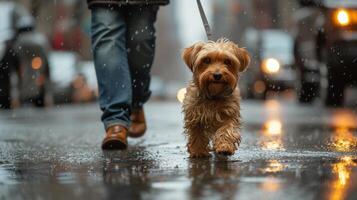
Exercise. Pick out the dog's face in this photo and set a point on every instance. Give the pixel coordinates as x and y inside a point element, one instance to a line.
<point>216,66</point>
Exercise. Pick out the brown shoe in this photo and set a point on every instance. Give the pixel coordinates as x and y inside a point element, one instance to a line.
<point>138,123</point>
<point>115,138</point>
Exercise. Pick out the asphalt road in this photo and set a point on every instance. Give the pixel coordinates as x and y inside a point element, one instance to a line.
<point>288,152</point>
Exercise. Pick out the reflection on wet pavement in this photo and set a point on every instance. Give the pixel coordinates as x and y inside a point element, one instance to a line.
<point>340,184</point>
<point>288,152</point>
<point>273,166</point>
<point>343,139</point>
<point>271,140</point>
<point>272,127</point>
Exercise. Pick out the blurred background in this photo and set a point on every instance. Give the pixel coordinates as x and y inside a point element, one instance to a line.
<point>304,61</point>
<point>46,56</point>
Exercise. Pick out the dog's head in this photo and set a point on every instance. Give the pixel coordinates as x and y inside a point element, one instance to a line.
<point>216,66</point>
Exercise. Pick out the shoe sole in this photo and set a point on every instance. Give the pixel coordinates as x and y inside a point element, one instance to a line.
<point>113,145</point>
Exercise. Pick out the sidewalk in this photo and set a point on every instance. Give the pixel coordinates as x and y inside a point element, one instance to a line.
<point>55,154</point>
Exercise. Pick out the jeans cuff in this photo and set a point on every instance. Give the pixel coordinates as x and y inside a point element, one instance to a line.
<point>116,122</point>
<point>139,102</point>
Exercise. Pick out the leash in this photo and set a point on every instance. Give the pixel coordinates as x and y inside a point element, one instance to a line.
<point>204,20</point>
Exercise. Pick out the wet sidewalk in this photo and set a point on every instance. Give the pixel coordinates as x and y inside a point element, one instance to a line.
<point>288,152</point>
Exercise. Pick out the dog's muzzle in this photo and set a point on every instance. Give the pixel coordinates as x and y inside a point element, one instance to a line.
<point>225,93</point>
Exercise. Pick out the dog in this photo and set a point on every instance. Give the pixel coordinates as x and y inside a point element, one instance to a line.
<point>212,101</point>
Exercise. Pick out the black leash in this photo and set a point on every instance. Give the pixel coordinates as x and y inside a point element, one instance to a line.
<point>204,20</point>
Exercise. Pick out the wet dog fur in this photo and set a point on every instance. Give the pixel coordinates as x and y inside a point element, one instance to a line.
<point>212,102</point>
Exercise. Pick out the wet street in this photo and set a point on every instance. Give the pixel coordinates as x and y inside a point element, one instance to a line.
<point>288,151</point>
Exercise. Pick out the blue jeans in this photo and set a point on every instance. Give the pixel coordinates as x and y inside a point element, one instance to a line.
<point>123,44</point>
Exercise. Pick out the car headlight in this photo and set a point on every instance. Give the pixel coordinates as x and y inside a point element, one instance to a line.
<point>270,66</point>
<point>36,63</point>
<point>342,17</point>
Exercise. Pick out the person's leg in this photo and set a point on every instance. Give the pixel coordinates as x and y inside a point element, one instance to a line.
<point>141,49</point>
<point>111,65</point>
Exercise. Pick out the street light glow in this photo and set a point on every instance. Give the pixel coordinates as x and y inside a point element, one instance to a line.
<point>342,17</point>
<point>271,66</point>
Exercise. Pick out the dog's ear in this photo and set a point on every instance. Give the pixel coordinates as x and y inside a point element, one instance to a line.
<point>242,55</point>
<point>244,59</point>
<point>189,54</point>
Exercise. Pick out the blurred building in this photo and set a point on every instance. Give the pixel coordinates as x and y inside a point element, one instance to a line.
<point>65,22</point>
<point>233,17</point>
<point>273,13</point>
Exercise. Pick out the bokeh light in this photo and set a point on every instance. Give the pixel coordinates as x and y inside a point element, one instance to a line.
<point>273,127</point>
<point>271,66</point>
<point>36,63</point>
<point>181,94</point>
<point>343,17</point>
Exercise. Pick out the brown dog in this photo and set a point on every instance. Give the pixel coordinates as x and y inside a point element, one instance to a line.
<point>211,105</point>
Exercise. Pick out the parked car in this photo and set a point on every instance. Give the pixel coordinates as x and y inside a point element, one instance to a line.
<point>31,48</point>
<point>325,49</point>
<point>271,66</point>
<point>23,54</point>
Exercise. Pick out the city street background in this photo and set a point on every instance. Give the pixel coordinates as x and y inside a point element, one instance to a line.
<point>291,148</point>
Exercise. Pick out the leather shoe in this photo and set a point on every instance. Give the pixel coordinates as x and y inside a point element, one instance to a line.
<point>115,138</point>
<point>138,123</point>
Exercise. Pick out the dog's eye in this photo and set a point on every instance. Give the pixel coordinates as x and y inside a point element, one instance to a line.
<point>227,62</point>
<point>206,60</point>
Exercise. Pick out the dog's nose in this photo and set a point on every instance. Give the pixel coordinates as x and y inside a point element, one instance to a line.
<point>217,76</point>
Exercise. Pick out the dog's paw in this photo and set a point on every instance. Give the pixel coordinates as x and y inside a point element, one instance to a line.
<point>225,149</point>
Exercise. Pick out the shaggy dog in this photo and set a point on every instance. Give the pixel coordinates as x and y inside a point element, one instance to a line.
<point>211,105</point>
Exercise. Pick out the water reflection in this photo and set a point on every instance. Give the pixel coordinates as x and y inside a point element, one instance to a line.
<point>126,174</point>
<point>272,127</point>
<point>273,166</point>
<point>272,145</point>
<point>213,177</point>
<point>342,171</point>
<point>271,184</point>
<point>272,135</point>
<point>343,138</point>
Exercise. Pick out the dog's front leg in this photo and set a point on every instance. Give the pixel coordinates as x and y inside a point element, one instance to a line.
<point>198,141</point>
<point>226,140</point>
